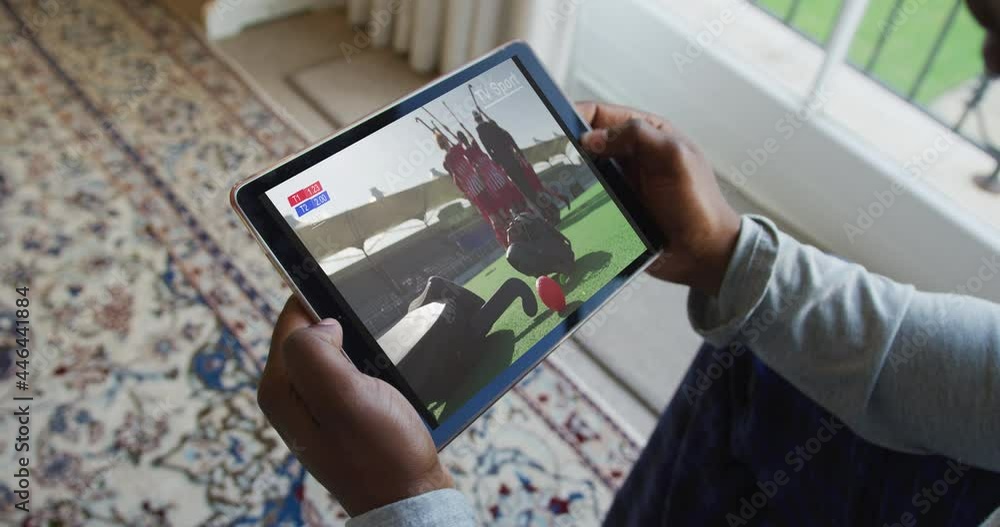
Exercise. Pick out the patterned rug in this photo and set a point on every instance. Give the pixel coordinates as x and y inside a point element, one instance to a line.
<point>151,308</point>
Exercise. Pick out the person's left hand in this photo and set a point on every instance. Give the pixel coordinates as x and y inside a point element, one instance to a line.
<point>356,434</point>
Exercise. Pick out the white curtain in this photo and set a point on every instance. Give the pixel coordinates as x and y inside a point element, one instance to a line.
<point>441,35</point>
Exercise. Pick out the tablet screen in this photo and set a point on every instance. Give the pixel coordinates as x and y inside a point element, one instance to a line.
<point>461,233</point>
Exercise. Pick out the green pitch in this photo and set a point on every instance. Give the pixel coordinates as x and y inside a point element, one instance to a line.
<point>603,242</point>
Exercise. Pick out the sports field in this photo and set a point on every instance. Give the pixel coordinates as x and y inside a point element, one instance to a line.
<point>603,242</point>
<point>911,38</point>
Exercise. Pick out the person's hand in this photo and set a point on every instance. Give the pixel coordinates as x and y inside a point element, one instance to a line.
<point>357,435</point>
<point>676,184</point>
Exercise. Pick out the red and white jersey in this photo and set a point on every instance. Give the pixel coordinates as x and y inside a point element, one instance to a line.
<point>493,175</point>
<point>462,170</point>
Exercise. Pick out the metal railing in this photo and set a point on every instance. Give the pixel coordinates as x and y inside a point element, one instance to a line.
<point>972,106</point>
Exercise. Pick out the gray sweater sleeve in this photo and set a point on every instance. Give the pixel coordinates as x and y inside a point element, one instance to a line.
<point>908,370</point>
<point>446,507</point>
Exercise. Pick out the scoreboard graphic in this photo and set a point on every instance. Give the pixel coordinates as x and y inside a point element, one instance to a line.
<point>308,199</point>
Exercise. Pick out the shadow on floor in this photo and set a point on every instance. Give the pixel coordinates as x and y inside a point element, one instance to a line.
<point>582,210</point>
<point>587,266</point>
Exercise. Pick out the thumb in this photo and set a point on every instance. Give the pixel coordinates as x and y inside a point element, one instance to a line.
<point>330,330</point>
<point>317,367</point>
<point>621,140</point>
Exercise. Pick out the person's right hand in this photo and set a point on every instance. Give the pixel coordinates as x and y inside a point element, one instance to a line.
<point>676,184</point>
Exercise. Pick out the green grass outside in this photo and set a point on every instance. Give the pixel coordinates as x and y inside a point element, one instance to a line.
<point>918,24</point>
<point>603,242</point>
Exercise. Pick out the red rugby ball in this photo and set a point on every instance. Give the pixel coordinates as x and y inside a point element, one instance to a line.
<point>551,294</point>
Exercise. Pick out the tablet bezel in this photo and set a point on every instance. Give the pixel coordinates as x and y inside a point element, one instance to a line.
<point>303,274</point>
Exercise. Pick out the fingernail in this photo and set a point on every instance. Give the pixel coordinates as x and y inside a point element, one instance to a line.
<point>595,140</point>
<point>328,322</point>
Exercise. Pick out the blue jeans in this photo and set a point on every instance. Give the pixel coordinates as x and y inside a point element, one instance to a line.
<point>738,445</point>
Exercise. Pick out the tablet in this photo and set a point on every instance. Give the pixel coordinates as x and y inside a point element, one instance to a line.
<point>458,234</point>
